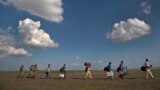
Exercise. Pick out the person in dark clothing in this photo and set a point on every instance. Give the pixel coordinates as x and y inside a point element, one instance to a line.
<point>63,72</point>
<point>121,70</point>
<point>48,70</point>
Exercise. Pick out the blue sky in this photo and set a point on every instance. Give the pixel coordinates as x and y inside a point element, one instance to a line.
<point>74,31</point>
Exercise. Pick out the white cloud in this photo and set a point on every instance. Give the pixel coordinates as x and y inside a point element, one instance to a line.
<point>33,35</point>
<point>10,50</point>
<point>48,9</point>
<point>146,8</point>
<point>7,42</point>
<point>7,39</point>
<point>128,30</point>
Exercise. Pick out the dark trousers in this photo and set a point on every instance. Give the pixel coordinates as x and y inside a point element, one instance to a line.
<point>47,75</point>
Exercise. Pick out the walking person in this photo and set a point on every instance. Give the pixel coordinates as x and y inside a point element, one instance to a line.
<point>88,70</point>
<point>109,71</point>
<point>31,69</point>
<point>148,69</point>
<point>21,72</point>
<point>63,72</point>
<point>48,70</point>
<point>121,70</point>
<point>35,70</point>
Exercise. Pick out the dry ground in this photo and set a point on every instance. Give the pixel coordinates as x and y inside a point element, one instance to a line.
<point>134,81</point>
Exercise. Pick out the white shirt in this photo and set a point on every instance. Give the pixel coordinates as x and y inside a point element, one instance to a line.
<point>147,64</point>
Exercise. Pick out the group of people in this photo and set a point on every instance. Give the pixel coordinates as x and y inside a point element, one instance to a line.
<point>62,72</point>
<point>122,71</point>
<point>33,69</point>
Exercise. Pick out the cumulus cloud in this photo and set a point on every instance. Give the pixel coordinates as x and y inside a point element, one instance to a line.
<point>33,35</point>
<point>10,50</point>
<point>6,45</point>
<point>128,30</point>
<point>146,8</point>
<point>48,9</point>
<point>7,38</point>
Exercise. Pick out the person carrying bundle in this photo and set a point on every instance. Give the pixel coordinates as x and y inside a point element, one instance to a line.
<point>31,69</point>
<point>48,70</point>
<point>88,70</point>
<point>109,71</point>
<point>121,70</point>
<point>148,68</point>
<point>35,70</point>
<point>63,72</point>
<point>21,72</point>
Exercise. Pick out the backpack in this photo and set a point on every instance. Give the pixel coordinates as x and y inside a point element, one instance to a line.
<point>86,69</point>
<point>143,68</point>
<point>61,70</point>
<point>118,69</point>
<point>106,69</point>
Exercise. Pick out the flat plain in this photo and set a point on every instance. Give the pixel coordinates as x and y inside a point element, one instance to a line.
<point>135,80</point>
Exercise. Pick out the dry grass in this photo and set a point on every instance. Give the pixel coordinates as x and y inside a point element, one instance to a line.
<point>134,81</point>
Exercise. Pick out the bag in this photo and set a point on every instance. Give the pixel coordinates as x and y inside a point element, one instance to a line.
<point>86,69</point>
<point>110,74</point>
<point>143,68</point>
<point>118,69</point>
<point>61,70</point>
<point>61,75</point>
<point>106,69</point>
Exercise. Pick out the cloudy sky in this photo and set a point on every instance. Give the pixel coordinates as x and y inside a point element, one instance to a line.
<point>74,31</point>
